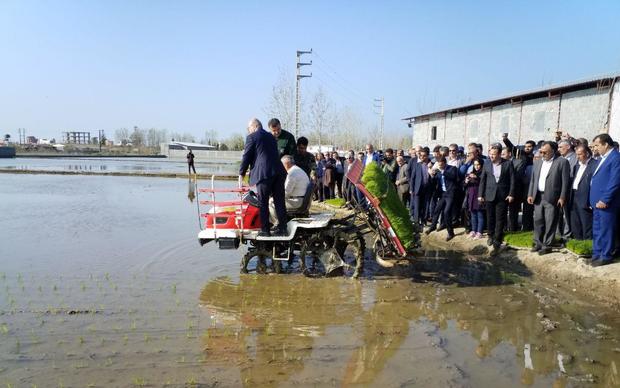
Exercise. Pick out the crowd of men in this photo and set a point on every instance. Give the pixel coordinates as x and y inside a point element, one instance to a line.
<point>563,189</point>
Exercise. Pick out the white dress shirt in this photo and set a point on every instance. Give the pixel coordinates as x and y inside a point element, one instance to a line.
<point>603,157</point>
<point>544,171</point>
<point>580,171</point>
<point>296,183</point>
<point>497,171</point>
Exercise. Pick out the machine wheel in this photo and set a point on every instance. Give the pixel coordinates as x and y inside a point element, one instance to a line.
<point>351,247</point>
<point>261,257</point>
<point>277,266</point>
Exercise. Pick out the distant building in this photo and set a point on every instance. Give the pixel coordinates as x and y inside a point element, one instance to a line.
<point>76,137</point>
<point>582,108</point>
<point>31,140</point>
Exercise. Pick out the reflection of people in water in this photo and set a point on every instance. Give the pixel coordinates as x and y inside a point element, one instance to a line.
<point>191,194</point>
<point>190,162</point>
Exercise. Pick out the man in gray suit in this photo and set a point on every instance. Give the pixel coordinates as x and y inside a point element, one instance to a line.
<point>548,192</point>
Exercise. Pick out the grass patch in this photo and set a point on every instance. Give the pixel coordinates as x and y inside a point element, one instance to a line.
<point>336,202</point>
<point>580,247</point>
<point>520,239</point>
<point>377,182</point>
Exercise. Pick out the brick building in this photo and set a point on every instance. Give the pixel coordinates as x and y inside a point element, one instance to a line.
<point>583,109</point>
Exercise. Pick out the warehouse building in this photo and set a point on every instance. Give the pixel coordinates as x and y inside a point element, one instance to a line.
<point>583,109</point>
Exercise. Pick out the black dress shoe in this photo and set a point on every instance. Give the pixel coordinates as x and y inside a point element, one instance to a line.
<point>450,237</point>
<point>535,249</point>
<point>490,241</point>
<point>429,230</point>
<point>262,233</point>
<point>544,251</point>
<point>598,263</point>
<point>281,233</point>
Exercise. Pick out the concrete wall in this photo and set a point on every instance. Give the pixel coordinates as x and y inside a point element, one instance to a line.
<point>582,114</point>
<point>614,119</point>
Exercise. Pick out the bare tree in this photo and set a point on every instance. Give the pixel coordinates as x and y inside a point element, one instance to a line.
<point>235,143</point>
<point>154,137</point>
<point>121,135</point>
<point>210,137</point>
<point>282,102</point>
<point>322,118</point>
<point>137,137</point>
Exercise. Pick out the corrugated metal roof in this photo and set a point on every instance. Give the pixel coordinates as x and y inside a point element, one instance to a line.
<point>507,98</point>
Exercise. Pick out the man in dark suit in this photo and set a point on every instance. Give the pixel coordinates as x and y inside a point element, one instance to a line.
<point>581,214</point>
<point>604,200</point>
<point>415,185</point>
<point>267,173</point>
<point>548,192</point>
<point>496,191</point>
<point>445,180</point>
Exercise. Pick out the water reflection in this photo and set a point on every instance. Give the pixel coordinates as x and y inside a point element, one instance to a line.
<point>191,189</point>
<point>272,326</point>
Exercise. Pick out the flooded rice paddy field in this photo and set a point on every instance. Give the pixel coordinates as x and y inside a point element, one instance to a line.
<point>102,283</point>
<point>112,165</point>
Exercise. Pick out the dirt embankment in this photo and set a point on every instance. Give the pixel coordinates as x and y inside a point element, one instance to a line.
<point>560,267</point>
<point>116,173</point>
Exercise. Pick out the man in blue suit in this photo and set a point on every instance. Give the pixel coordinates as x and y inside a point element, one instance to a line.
<point>604,200</point>
<point>267,173</point>
<point>370,155</point>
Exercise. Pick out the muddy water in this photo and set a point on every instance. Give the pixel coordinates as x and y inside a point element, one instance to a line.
<point>107,165</point>
<point>102,283</point>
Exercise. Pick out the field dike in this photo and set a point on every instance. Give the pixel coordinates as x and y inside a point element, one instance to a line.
<point>562,268</point>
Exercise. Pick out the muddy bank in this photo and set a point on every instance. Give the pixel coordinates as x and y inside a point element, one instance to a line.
<point>116,173</point>
<point>560,267</point>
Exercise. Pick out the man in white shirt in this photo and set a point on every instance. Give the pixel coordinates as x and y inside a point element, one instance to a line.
<point>548,192</point>
<point>580,212</point>
<point>295,187</point>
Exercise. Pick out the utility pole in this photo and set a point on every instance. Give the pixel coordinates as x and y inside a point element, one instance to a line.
<point>381,106</point>
<point>298,78</point>
<point>22,135</point>
<point>101,134</point>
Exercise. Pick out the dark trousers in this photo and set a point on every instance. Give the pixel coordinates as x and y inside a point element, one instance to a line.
<point>319,191</point>
<point>513,214</point>
<point>604,229</point>
<point>564,223</point>
<point>527,218</point>
<point>414,208</point>
<point>546,217</point>
<point>330,190</point>
<point>190,167</point>
<point>581,222</point>
<point>496,220</point>
<point>339,184</point>
<point>443,208</point>
<point>273,186</point>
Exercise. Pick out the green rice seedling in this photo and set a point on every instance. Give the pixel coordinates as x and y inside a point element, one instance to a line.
<point>55,288</point>
<point>335,202</point>
<point>18,346</point>
<point>4,329</point>
<point>83,286</point>
<point>81,340</point>
<point>191,382</point>
<point>147,338</point>
<point>378,184</point>
<point>40,289</point>
<point>107,276</point>
<point>519,239</point>
<point>2,276</point>
<point>108,361</point>
<point>174,288</point>
<point>580,247</point>
<point>139,381</point>
<point>133,325</point>
<point>125,339</point>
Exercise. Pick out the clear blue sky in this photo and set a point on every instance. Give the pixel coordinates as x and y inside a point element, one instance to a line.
<point>190,66</point>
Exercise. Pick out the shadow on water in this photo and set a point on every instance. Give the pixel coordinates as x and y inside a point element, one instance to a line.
<point>191,190</point>
<point>279,328</point>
